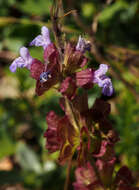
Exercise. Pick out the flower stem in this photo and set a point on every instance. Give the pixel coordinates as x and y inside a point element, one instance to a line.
<point>57,28</point>
<point>72,115</point>
<point>68,174</point>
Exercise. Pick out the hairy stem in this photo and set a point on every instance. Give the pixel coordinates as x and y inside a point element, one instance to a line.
<point>57,28</point>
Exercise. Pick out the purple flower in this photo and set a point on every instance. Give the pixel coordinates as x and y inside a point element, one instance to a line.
<point>25,60</point>
<point>43,39</point>
<point>102,80</point>
<point>83,45</point>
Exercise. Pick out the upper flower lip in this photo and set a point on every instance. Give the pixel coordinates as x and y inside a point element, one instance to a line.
<point>43,39</point>
<point>83,45</point>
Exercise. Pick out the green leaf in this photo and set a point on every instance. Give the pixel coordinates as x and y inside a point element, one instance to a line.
<point>28,158</point>
<point>6,144</point>
<point>39,7</point>
<point>110,11</point>
<point>130,12</point>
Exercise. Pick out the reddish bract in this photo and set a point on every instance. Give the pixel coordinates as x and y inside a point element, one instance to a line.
<point>51,66</point>
<point>68,88</point>
<point>84,77</point>
<point>86,178</point>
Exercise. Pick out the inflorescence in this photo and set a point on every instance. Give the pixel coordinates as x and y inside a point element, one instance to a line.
<point>83,134</point>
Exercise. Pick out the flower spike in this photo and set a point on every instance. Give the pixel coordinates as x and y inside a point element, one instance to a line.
<point>25,60</point>
<point>43,39</point>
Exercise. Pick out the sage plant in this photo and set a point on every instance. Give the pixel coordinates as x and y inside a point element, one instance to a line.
<point>83,134</point>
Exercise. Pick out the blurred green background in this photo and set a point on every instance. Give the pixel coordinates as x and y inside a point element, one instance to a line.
<point>24,162</point>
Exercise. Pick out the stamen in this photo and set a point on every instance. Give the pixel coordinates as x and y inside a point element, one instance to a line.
<point>44,76</point>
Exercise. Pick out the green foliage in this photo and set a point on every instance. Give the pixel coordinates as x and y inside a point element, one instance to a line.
<point>128,129</point>
<point>28,158</point>
<point>88,9</point>
<point>39,7</point>
<point>110,11</point>
<point>7,145</point>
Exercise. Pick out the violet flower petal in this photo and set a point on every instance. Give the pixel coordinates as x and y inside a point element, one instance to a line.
<point>103,68</point>
<point>83,45</point>
<point>38,41</point>
<point>43,39</point>
<point>102,80</point>
<point>80,45</point>
<point>107,87</point>
<point>25,60</point>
